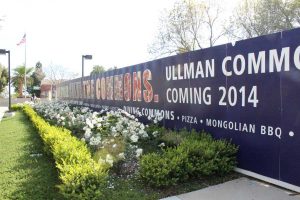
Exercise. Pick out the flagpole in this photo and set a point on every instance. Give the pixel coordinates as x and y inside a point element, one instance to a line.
<point>25,68</point>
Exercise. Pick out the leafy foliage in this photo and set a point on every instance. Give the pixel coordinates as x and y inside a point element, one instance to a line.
<point>197,155</point>
<point>189,25</point>
<point>26,172</point>
<point>18,78</point>
<point>108,133</point>
<point>37,76</point>
<point>196,24</point>
<point>3,78</point>
<point>166,169</point>
<point>166,158</point>
<point>260,17</point>
<point>81,177</point>
<point>97,69</point>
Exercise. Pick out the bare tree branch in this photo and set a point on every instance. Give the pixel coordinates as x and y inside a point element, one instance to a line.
<point>260,17</point>
<point>188,26</point>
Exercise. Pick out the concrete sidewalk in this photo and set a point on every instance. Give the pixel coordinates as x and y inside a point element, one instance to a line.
<point>2,111</point>
<point>239,189</point>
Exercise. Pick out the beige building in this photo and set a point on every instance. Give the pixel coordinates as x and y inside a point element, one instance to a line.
<point>48,88</point>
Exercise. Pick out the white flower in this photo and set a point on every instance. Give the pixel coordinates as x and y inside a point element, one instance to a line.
<point>101,161</point>
<point>114,146</point>
<point>125,132</point>
<point>155,133</point>
<point>95,114</point>
<point>139,152</point>
<point>143,133</point>
<point>113,130</point>
<point>109,159</point>
<point>119,127</point>
<point>142,126</point>
<point>121,155</point>
<point>87,133</point>
<point>89,123</point>
<point>162,144</point>
<point>94,141</point>
<point>134,138</point>
<point>84,109</point>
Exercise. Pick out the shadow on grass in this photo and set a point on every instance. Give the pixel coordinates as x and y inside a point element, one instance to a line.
<point>38,175</point>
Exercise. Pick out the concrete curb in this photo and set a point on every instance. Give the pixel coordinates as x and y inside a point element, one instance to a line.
<point>2,111</point>
<point>171,198</point>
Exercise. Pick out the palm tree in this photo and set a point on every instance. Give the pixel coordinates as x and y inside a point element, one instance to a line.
<point>19,77</point>
<point>97,69</point>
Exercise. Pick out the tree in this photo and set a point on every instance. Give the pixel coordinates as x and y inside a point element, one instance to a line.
<point>295,6</point>
<point>56,74</point>
<point>38,65</point>
<point>19,77</point>
<point>259,17</point>
<point>3,78</point>
<point>112,68</point>
<point>37,76</point>
<point>97,69</point>
<point>188,26</point>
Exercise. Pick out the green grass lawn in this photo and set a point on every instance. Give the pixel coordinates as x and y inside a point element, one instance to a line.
<point>134,189</point>
<point>22,175</point>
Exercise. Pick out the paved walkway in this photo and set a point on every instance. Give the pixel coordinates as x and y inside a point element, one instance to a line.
<point>4,102</point>
<point>2,111</point>
<point>239,189</point>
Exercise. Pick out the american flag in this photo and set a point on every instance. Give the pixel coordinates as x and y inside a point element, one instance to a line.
<point>23,40</point>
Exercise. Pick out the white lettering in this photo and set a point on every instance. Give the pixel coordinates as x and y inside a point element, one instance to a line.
<point>224,70</point>
<point>276,62</point>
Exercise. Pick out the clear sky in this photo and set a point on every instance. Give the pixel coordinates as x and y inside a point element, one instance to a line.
<point>115,32</point>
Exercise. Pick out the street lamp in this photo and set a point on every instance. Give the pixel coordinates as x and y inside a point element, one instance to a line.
<point>87,57</point>
<point>4,52</point>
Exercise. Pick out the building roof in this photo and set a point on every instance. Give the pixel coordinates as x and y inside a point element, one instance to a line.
<point>49,82</point>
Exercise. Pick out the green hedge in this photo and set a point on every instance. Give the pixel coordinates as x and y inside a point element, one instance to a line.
<point>197,155</point>
<point>16,107</point>
<point>81,176</point>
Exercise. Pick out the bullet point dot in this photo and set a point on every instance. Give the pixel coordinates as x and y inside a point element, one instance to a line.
<point>178,117</point>
<point>201,121</point>
<point>291,133</point>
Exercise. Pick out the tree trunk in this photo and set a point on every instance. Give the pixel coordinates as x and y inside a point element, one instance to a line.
<point>20,89</point>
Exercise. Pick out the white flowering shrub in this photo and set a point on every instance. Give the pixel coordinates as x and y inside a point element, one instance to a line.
<point>119,141</point>
<point>109,133</point>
